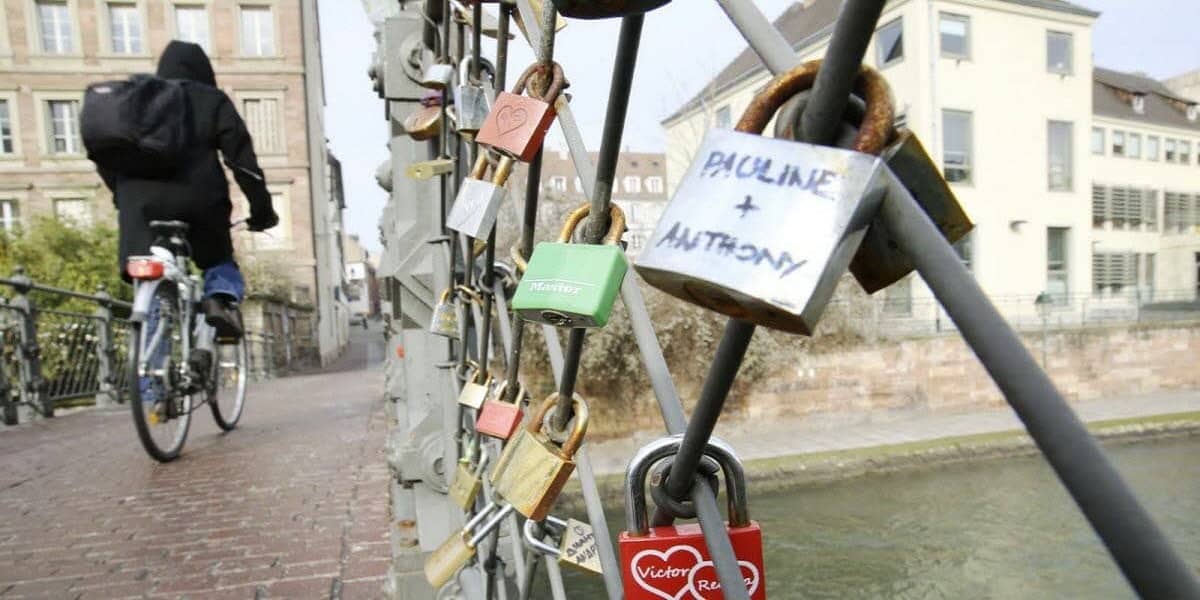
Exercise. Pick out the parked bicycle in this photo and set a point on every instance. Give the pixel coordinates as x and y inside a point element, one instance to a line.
<point>175,357</point>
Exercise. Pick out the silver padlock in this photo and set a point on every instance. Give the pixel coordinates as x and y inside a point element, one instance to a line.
<point>437,76</point>
<point>444,318</point>
<point>576,543</point>
<point>762,229</point>
<point>478,201</point>
<point>472,102</point>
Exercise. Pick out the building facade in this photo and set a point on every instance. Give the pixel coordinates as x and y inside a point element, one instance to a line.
<point>1004,96</point>
<point>362,287</point>
<point>266,56</point>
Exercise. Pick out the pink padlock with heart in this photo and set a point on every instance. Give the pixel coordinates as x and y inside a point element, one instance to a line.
<point>672,562</point>
<point>517,124</point>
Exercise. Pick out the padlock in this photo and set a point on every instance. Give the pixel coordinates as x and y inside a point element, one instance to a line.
<point>444,562</point>
<point>604,9</point>
<point>576,545</point>
<point>444,319</point>
<point>517,124</point>
<point>533,469</point>
<point>467,481</point>
<point>429,169</point>
<point>478,201</point>
<point>762,229</point>
<point>879,261</point>
<point>424,123</point>
<point>573,285</point>
<point>471,100</point>
<point>673,561</point>
<point>474,391</point>
<point>437,76</point>
<point>500,419</point>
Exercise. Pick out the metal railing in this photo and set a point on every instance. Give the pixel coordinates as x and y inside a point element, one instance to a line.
<point>63,348</point>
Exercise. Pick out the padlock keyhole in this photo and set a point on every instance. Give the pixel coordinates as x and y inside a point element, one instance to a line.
<point>556,318</point>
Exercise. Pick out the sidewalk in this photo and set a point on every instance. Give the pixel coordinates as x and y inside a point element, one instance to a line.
<point>783,437</point>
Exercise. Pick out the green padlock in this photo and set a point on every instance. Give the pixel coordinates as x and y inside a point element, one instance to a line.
<point>573,285</point>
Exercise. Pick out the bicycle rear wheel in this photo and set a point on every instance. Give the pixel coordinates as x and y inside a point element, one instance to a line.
<point>162,411</point>
<point>227,392</point>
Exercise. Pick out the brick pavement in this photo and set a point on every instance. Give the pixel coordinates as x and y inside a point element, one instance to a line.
<point>291,504</point>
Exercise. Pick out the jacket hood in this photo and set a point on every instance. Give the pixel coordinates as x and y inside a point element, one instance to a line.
<point>184,60</point>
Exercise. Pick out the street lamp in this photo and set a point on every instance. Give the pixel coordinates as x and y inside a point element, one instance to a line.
<point>1043,302</point>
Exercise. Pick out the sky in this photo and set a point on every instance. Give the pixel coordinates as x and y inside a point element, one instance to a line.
<point>684,45</point>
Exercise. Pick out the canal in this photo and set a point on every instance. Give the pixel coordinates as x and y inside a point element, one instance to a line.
<point>991,529</point>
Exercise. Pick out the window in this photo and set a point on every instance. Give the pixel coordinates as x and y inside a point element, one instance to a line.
<point>1059,53</point>
<point>1112,271</point>
<point>724,118</point>
<point>1152,147</point>
<point>1118,143</point>
<point>9,216</point>
<point>1139,104</point>
<point>558,183</point>
<point>191,25</point>
<point>1056,264</point>
<point>1134,149</point>
<point>955,33</point>
<point>965,250</point>
<point>1185,152</point>
<point>280,236</point>
<point>73,211</point>
<point>1098,141</point>
<point>1177,212</point>
<point>62,127</point>
<point>258,31</point>
<point>654,185</point>
<point>54,27</point>
<point>889,43</point>
<point>125,28</point>
<point>897,298</point>
<point>262,120</point>
<point>1099,205</point>
<point>632,184</point>
<point>1059,165</point>
<point>956,146</point>
<point>6,132</point>
<point>1170,147</point>
<point>578,184</point>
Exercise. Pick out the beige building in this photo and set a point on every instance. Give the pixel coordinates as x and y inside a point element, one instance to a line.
<point>1004,96</point>
<point>266,56</point>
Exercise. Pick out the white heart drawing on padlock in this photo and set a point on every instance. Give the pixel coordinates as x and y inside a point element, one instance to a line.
<point>665,557</point>
<point>754,581</point>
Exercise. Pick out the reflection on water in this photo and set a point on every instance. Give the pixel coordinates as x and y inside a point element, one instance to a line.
<point>995,529</point>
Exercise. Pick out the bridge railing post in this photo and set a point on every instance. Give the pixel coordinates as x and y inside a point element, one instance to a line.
<point>33,385</point>
<point>106,351</point>
<point>8,406</point>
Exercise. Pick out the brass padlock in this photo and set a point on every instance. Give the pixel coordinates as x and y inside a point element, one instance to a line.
<point>429,169</point>
<point>425,123</point>
<point>444,320</point>
<point>467,481</point>
<point>576,543</point>
<point>474,391</point>
<point>532,470</point>
<point>454,553</point>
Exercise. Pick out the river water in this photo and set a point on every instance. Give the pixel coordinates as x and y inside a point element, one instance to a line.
<point>991,529</point>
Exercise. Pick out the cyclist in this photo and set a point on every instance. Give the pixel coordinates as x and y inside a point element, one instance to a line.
<point>198,193</point>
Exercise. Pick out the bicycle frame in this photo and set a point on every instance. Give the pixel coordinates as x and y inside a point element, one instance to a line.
<point>175,272</point>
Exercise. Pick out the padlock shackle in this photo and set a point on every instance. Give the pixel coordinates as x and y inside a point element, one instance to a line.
<point>636,519</point>
<point>488,526</point>
<point>503,170</point>
<point>616,224</point>
<point>573,442</point>
<point>444,296</point>
<point>531,538</point>
<point>557,81</point>
<point>479,169</point>
<point>503,387</point>
<point>471,294</point>
<point>520,263</point>
<point>876,128</point>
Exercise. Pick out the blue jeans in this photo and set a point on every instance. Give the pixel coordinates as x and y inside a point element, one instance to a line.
<point>224,279</point>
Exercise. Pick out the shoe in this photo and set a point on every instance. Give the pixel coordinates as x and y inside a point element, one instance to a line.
<point>223,316</point>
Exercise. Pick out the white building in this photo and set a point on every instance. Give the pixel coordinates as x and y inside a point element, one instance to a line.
<point>1004,95</point>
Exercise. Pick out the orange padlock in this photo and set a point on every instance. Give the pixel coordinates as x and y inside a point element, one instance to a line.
<point>518,124</point>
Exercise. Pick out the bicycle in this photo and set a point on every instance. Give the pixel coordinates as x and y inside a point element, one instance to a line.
<point>168,366</point>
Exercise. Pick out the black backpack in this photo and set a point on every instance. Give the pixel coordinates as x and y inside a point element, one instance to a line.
<point>141,127</point>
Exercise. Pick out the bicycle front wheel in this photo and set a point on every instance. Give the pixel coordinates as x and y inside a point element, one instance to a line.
<point>162,410</point>
<point>227,393</point>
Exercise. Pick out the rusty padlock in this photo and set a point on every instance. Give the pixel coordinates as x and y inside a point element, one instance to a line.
<point>762,229</point>
<point>533,469</point>
<point>518,124</point>
<point>604,9</point>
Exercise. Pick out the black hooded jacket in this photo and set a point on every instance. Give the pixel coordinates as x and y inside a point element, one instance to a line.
<point>198,193</point>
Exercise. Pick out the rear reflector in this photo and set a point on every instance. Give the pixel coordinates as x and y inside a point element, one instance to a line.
<point>144,268</point>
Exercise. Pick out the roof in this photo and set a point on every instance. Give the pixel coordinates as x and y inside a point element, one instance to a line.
<point>1110,91</point>
<point>802,25</point>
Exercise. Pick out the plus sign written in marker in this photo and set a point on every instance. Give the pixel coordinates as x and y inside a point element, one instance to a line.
<point>746,206</point>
